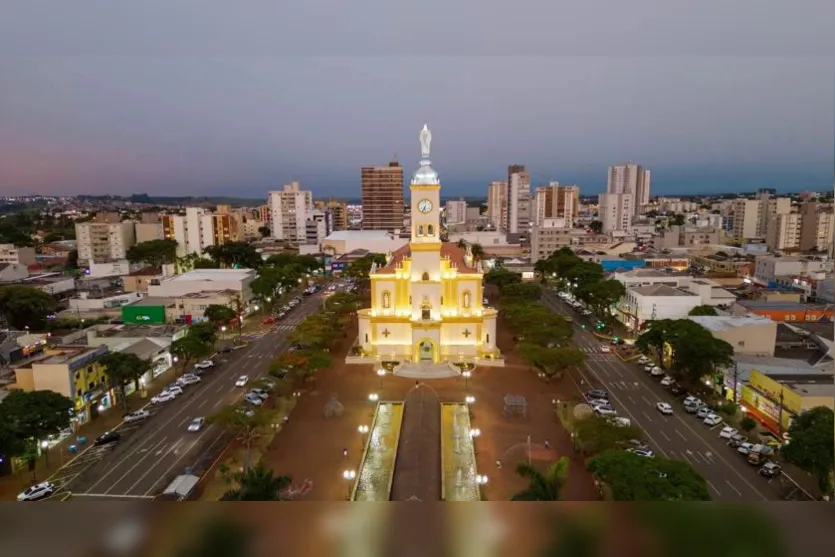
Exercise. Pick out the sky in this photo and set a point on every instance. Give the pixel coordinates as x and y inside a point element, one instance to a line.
<point>207,98</point>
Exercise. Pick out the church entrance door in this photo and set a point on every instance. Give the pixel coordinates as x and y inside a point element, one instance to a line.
<point>425,351</point>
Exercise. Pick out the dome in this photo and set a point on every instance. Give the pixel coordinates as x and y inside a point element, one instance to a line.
<point>425,176</point>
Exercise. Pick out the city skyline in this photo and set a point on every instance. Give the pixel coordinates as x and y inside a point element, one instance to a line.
<point>96,126</point>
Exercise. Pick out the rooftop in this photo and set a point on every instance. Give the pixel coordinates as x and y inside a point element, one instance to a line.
<point>111,331</point>
<point>726,323</point>
<point>359,235</point>
<point>212,274</point>
<point>146,272</point>
<point>763,304</point>
<point>659,290</point>
<point>153,301</point>
<point>455,255</point>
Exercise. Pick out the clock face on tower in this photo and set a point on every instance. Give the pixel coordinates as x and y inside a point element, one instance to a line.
<point>424,206</point>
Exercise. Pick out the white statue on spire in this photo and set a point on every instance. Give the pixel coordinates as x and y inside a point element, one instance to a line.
<point>425,141</point>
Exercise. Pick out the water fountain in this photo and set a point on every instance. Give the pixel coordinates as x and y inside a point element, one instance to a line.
<point>377,466</point>
<point>458,455</point>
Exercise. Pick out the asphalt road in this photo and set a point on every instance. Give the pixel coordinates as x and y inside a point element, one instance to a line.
<point>682,436</point>
<point>151,453</point>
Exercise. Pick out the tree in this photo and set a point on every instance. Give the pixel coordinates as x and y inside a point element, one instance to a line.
<point>502,277</point>
<point>304,364</point>
<point>206,331</point>
<point>810,447</point>
<point>748,424</point>
<point>600,296</point>
<point>247,427</point>
<point>154,253</point>
<point>258,484</point>
<point>462,244</point>
<point>235,255</point>
<point>596,226</point>
<point>478,252</point>
<point>219,315</point>
<point>631,477</point>
<point>31,416</point>
<point>553,362</point>
<point>264,231</point>
<point>26,306</point>
<point>694,351</point>
<point>542,486</point>
<point>521,291</point>
<point>597,434</point>
<point>189,348</point>
<point>703,310</point>
<point>360,269</point>
<point>678,220</point>
<point>123,369</point>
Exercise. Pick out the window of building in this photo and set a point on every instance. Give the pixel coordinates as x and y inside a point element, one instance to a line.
<point>366,337</point>
<point>78,392</point>
<point>386,300</point>
<point>425,313</point>
<point>488,338</point>
<point>420,230</point>
<point>430,230</point>
<point>425,276</point>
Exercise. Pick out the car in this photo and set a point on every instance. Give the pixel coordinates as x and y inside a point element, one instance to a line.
<point>225,349</point>
<point>595,402</point>
<point>196,424</point>
<point>107,438</point>
<point>736,440</point>
<point>664,408</point>
<point>666,381</point>
<point>263,393</point>
<point>597,393</point>
<point>137,416</point>
<point>657,372</point>
<point>174,389</point>
<point>242,381</point>
<point>637,444</point>
<point>188,379</point>
<point>712,420</point>
<point>770,470</point>
<point>605,411</point>
<point>268,321</point>
<point>278,373</point>
<point>649,367</point>
<point>605,348</point>
<point>703,412</point>
<point>253,399</point>
<point>676,389</point>
<point>744,448</point>
<point>205,364</point>
<point>164,396</point>
<point>643,360</point>
<point>620,422</point>
<point>37,492</point>
<point>644,452</point>
<point>727,432</point>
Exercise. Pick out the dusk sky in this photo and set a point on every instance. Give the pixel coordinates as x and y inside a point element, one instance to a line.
<point>221,98</point>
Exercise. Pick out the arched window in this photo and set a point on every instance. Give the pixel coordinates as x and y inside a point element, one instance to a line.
<point>430,230</point>
<point>420,230</point>
<point>425,311</point>
<point>466,299</point>
<point>425,276</point>
<point>488,338</point>
<point>386,299</point>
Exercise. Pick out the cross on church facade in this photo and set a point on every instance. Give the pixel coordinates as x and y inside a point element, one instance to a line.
<point>386,333</point>
<point>467,333</point>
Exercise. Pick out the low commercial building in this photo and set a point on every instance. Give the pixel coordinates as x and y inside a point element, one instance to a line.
<point>51,283</point>
<point>88,302</point>
<point>10,253</point>
<point>13,272</point>
<point>784,311</point>
<point>375,241</point>
<point>753,335</point>
<point>777,400</point>
<point>205,280</point>
<point>188,309</point>
<point>139,281</point>
<point>658,301</point>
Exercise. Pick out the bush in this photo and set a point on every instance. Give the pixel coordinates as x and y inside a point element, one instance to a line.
<point>748,424</point>
<point>727,408</point>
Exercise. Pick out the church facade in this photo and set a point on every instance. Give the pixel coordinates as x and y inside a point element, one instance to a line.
<point>426,301</point>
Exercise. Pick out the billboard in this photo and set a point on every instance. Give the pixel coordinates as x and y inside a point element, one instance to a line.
<point>143,315</point>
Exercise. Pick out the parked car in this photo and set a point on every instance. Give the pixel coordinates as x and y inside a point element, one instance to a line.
<point>107,438</point>
<point>205,364</point>
<point>703,412</point>
<point>242,381</point>
<point>666,381</point>
<point>253,399</point>
<point>727,432</point>
<point>268,321</point>
<point>712,420</point>
<point>770,470</point>
<point>37,492</point>
<point>188,379</point>
<point>597,393</point>
<point>260,393</point>
<point>643,360</point>
<point>604,348</point>
<point>676,389</point>
<point>248,412</point>
<point>174,389</point>
<point>647,453</point>
<point>605,411</point>
<point>657,372</point>
<point>196,424</point>
<point>164,396</point>
<point>664,408</point>
<point>137,416</point>
<point>744,448</point>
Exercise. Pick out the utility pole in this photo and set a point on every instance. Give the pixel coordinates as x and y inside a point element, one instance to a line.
<point>780,414</point>
<point>736,382</point>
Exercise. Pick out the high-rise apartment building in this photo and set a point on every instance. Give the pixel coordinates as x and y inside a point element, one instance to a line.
<point>338,210</point>
<point>518,216</point>
<point>104,242</point>
<point>319,225</point>
<point>746,217</point>
<point>289,210</point>
<point>818,227</point>
<point>615,211</point>
<point>497,204</point>
<point>382,197</point>
<point>630,178</point>
<point>783,231</point>
<point>556,202</point>
<point>768,208</point>
<point>456,211</point>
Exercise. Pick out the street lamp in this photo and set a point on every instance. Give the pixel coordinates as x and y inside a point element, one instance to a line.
<point>363,429</point>
<point>257,307</point>
<point>481,479</point>
<point>373,397</point>
<point>381,373</point>
<point>467,374</point>
<point>469,400</point>
<point>349,476</point>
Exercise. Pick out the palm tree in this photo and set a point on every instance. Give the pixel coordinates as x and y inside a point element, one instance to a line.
<point>462,243</point>
<point>258,484</point>
<point>542,487</point>
<point>477,251</point>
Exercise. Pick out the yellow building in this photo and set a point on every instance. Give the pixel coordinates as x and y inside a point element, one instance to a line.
<point>74,372</point>
<point>772,400</point>
<point>426,301</point>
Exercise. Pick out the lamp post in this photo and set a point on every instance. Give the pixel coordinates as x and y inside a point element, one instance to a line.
<point>466,373</point>
<point>474,433</point>
<point>481,481</point>
<point>349,476</point>
<point>373,398</point>
<point>363,429</point>
<point>381,373</point>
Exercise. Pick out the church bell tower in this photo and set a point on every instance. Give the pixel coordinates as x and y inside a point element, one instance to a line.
<point>426,198</point>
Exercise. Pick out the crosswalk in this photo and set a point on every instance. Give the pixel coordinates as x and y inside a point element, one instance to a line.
<point>283,326</point>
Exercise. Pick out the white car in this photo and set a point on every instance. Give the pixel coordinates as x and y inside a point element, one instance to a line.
<point>205,364</point>
<point>174,389</point>
<point>196,424</point>
<point>649,366</point>
<point>745,448</point>
<point>188,379</point>
<point>664,408</point>
<point>605,348</point>
<point>605,411</point>
<point>37,492</point>
<point>666,381</point>
<point>253,399</point>
<point>656,372</point>
<point>643,360</point>
<point>242,381</point>
<point>728,432</point>
<point>712,420</point>
<point>642,452</point>
<point>621,422</point>
<point>137,416</point>
<point>164,396</point>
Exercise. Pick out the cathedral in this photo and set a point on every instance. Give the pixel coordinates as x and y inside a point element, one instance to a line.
<point>426,301</point>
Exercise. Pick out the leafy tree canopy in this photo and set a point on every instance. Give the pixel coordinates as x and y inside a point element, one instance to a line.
<point>360,269</point>
<point>122,369</point>
<point>258,484</point>
<point>26,306</point>
<point>696,353</point>
<point>636,478</point>
<point>810,447</point>
<point>545,486</point>
<point>35,415</point>
<point>501,277</point>
<point>219,315</point>
<point>234,255</point>
<point>703,310</point>
<point>521,291</point>
<point>597,434</point>
<point>154,253</point>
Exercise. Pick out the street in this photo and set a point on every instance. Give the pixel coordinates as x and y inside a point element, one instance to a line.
<point>151,453</point>
<point>680,436</point>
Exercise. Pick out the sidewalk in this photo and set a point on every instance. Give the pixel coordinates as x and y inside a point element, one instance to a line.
<point>59,455</point>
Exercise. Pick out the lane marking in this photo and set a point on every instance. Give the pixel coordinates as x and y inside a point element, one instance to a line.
<point>632,399</point>
<point>202,404</point>
<point>714,488</point>
<point>665,435</point>
<point>184,421</point>
<point>646,400</point>
<point>680,434</point>
<point>218,403</point>
<point>115,467</point>
<point>151,468</point>
<point>111,496</point>
<point>649,419</point>
<point>165,474</point>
